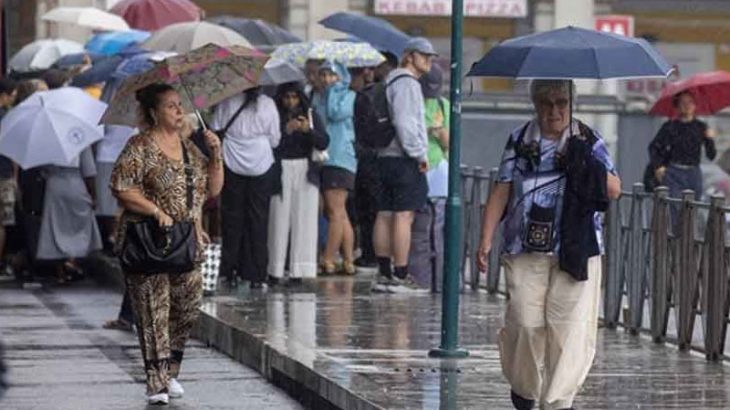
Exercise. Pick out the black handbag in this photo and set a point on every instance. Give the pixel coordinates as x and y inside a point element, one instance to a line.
<point>152,249</point>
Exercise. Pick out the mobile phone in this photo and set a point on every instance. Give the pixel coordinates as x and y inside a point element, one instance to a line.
<point>309,117</point>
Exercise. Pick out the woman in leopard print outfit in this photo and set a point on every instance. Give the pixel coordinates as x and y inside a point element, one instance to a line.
<point>149,180</point>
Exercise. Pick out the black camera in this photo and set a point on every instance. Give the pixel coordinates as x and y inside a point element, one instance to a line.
<point>540,229</point>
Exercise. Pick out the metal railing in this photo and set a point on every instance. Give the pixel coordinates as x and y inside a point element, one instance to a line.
<point>663,255</point>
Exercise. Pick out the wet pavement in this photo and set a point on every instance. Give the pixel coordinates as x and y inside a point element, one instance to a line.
<point>60,358</point>
<point>363,351</point>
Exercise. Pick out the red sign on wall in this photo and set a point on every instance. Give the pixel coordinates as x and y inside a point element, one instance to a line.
<point>617,24</point>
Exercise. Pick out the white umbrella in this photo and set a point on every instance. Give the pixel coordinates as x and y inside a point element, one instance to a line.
<point>87,17</point>
<point>51,128</point>
<point>183,37</point>
<point>41,54</point>
<point>279,72</point>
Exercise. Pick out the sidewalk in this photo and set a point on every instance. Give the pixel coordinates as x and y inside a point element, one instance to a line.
<point>359,350</point>
<point>60,358</point>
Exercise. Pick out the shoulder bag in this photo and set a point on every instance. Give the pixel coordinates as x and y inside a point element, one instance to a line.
<point>151,249</point>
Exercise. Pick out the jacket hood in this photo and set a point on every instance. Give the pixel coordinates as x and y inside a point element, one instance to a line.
<point>339,69</point>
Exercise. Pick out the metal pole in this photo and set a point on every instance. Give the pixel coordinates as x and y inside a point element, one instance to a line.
<point>450,293</point>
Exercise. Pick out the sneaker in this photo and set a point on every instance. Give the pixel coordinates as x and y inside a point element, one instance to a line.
<point>405,285</point>
<point>175,389</point>
<point>159,399</point>
<point>382,285</point>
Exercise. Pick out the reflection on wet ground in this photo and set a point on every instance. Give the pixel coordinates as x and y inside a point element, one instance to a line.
<point>376,347</point>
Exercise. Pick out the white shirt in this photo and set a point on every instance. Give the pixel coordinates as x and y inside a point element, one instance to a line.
<point>249,142</point>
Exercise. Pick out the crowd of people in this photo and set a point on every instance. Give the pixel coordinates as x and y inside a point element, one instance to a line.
<point>297,180</point>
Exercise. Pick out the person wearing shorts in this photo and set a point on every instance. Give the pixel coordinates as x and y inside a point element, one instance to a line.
<point>402,166</point>
<point>337,109</point>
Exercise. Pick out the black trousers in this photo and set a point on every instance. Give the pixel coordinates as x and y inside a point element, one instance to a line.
<point>367,190</point>
<point>245,222</point>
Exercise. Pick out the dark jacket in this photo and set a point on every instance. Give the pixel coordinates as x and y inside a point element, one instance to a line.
<point>298,144</point>
<point>586,193</point>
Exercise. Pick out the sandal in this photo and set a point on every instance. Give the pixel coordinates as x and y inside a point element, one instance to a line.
<point>118,324</point>
<point>348,268</point>
<point>327,268</point>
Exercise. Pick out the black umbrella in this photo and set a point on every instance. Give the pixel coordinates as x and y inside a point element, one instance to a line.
<point>259,33</point>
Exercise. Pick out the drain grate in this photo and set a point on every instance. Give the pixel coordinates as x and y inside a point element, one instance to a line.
<point>427,370</point>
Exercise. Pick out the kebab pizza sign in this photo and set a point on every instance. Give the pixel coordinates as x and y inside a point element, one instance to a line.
<point>472,8</point>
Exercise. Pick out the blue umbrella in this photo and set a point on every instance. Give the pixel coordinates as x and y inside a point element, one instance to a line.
<point>572,52</point>
<point>76,59</point>
<point>378,32</point>
<point>136,64</point>
<point>100,72</point>
<point>113,42</point>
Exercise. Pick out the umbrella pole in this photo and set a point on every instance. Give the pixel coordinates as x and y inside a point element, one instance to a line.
<point>190,98</point>
<point>452,244</point>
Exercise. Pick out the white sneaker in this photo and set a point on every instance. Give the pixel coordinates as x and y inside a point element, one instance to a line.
<point>175,389</point>
<point>381,285</point>
<point>158,399</point>
<point>406,285</point>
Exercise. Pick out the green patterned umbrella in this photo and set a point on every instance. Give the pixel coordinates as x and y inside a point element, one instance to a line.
<point>348,53</point>
<point>204,77</point>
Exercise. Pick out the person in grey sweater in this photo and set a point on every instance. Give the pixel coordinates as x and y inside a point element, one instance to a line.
<point>402,166</point>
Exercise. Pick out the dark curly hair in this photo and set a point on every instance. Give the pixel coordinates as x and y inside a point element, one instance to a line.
<point>148,99</point>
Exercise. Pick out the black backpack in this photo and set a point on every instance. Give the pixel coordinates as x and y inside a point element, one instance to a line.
<point>373,126</point>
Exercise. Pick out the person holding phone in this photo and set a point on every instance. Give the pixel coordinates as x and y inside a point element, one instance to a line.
<point>295,200</point>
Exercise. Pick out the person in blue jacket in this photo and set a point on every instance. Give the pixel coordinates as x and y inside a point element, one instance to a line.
<point>336,107</point>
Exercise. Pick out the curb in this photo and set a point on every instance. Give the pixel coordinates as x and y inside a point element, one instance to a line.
<point>312,389</point>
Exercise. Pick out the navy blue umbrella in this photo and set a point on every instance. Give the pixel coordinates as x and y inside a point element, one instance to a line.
<point>100,72</point>
<point>572,52</point>
<point>376,31</point>
<point>259,33</point>
<point>76,59</point>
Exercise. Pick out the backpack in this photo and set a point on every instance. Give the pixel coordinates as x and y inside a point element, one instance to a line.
<point>373,125</point>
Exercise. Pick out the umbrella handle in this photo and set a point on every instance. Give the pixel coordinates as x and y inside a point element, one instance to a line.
<point>200,120</point>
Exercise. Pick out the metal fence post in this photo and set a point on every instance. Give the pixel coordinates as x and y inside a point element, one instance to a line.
<point>465,181</point>
<point>660,274</point>
<point>686,277</point>
<point>494,268</point>
<point>475,224</point>
<point>636,259</point>
<point>614,281</point>
<point>714,283</point>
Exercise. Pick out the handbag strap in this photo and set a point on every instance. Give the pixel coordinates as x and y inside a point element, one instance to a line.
<point>188,176</point>
<point>235,115</point>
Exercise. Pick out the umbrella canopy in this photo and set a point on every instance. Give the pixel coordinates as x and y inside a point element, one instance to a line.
<point>41,54</point>
<point>572,52</point>
<point>183,37</point>
<point>51,127</point>
<point>259,33</point>
<point>86,17</point>
<point>132,65</point>
<point>279,72</point>
<point>76,59</point>
<point>711,92</point>
<point>349,54</point>
<point>376,31</point>
<point>151,15</point>
<point>100,72</point>
<point>113,42</point>
<point>204,77</point>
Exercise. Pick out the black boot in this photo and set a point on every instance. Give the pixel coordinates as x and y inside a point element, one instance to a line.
<point>520,402</point>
